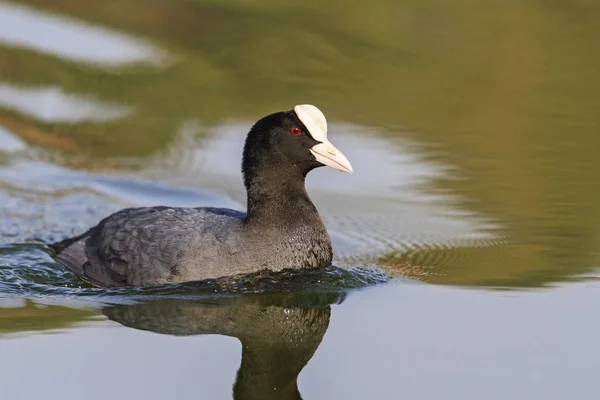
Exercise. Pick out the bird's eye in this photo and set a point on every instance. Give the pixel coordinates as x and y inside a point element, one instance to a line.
<point>296,131</point>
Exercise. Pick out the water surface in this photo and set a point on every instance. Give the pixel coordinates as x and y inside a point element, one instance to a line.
<point>467,241</point>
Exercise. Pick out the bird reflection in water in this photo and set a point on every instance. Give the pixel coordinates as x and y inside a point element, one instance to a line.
<point>279,332</point>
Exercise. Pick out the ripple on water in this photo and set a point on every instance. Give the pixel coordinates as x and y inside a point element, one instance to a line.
<point>27,270</point>
<point>72,39</point>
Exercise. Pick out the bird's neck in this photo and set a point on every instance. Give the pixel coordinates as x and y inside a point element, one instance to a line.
<point>281,217</point>
<point>279,196</point>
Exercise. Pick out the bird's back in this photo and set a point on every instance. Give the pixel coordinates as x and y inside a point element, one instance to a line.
<point>153,245</point>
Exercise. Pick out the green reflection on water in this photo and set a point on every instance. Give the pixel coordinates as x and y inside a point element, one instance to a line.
<point>506,91</point>
<point>33,317</point>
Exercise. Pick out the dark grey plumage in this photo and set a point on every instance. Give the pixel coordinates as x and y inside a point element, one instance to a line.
<point>160,245</point>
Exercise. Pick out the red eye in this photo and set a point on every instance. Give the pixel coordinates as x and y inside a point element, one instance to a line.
<point>296,131</point>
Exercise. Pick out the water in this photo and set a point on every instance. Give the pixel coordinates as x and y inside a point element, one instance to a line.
<point>467,242</point>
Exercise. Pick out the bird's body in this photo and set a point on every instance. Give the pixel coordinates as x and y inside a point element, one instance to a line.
<point>158,245</point>
<point>189,244</point>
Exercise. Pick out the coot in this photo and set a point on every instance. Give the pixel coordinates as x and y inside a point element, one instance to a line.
<point>280,230</point>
